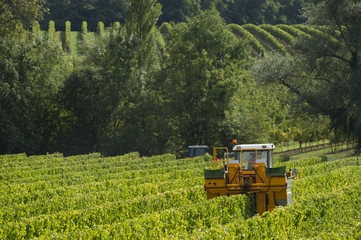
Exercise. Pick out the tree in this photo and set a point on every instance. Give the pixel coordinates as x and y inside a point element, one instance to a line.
<point>88,100</point>
<point>325,71</point>
<point>179,10</point>
<point>92,11</point>
<point>257,12</point>
<point>120,114</point>
<point>18,15</point>
<point>31,75</point>
<point>201,73</point>
<point>248,120</point>
<point>32,69</point>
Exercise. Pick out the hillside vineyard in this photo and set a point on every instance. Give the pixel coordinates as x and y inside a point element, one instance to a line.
<point>262,39</point>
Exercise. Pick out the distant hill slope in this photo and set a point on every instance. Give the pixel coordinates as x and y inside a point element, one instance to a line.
<point>262,38</point>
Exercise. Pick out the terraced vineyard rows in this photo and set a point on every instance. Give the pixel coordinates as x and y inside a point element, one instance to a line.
<point>128,197</point>
<point>262,39</point>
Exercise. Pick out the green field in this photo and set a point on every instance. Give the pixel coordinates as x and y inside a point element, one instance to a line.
<point>129,197</point>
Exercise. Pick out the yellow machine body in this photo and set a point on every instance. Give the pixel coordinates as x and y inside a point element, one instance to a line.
<point>250,171</point>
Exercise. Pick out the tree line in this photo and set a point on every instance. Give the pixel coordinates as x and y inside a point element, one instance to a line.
<point>132,90</point>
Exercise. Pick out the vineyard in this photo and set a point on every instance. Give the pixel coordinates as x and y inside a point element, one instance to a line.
<point>262,39</point>
<point>132,197</point>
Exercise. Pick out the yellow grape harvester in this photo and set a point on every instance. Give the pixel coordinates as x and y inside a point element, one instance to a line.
<point>250,170</point>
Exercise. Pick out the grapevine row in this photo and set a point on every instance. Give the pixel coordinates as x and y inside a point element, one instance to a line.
<point>278,33</point>
<point>94,174</point>
<point>170,222</point>
<point>243,33</point>
<point>108,166</point>
<point>120,208</point>
<point>293,31</point>
<point>267,37</point>
<point>23,195</point>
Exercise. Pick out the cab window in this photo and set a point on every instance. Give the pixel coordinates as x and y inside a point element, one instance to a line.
<point>248,159</point>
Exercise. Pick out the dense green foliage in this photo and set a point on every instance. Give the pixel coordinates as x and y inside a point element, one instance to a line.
<point>16,15</point>
<point>278,33</point>
<point>31,74</point>
<point>324,71</point>
<point>240,32</point>
<point>235,11</point>
<point>262,34</point>
<point>134,87</point>
<point>90,196</point>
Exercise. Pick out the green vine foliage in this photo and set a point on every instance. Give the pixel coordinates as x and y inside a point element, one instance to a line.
<point>292,30</point>
<point>84,30</point>
<point>262,38</point>
<point>243,33</point>
<point>35,30</point>
<point>116,25</point>
<point>131,197</point>
<point>68,36</point>
<point>278,33</point>
<point>266,37</point>
<point>315,33</point>
<point>100,29</point>
<point>51,30</point>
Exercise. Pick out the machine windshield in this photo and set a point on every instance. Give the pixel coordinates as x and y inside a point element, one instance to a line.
<point>248,158</point>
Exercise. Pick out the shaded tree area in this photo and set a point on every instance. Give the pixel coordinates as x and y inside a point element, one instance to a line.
<point>325,70</point>
<point>31,75</point>
<point>135,89</point>
<point>92,11</point>
<point>232,11</point>
<point>257,12</point>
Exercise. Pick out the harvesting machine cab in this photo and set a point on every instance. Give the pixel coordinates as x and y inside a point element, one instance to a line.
<point>250,170</point>
<point>197,150</point>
